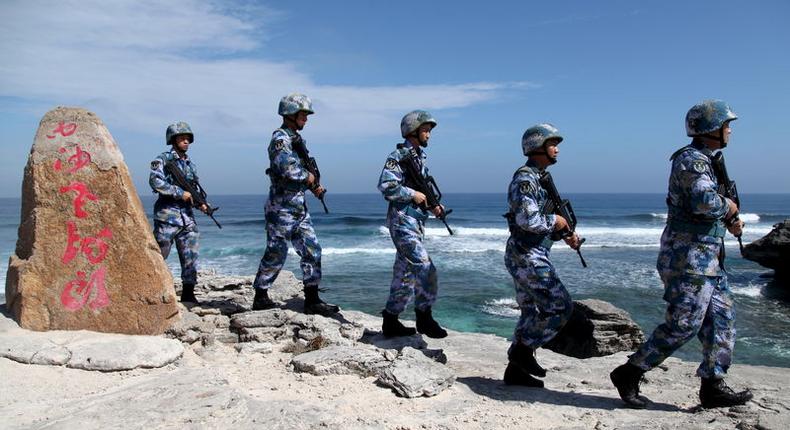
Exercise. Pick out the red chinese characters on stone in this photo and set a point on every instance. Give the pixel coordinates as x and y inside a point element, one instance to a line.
<point>77,161</point>
<point>63,129</point>
<point>82,194</point>
<point>80,291</point>
<point>94,248</point>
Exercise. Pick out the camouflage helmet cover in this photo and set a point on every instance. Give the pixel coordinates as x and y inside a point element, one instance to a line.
<point>177,128</point>
<point>293,103</point>
<point>413,120</point>
<point>537,135</point>
<point>708,116</point>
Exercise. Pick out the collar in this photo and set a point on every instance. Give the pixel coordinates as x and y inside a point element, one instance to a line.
<point>178,157</point>
<point>289,131</point>
<point>534,164</point>
<point>701,147</point>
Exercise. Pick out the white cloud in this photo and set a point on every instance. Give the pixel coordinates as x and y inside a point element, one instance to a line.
<point>145,63</point>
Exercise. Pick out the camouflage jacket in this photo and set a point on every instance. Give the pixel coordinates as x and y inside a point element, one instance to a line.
<point>169,207</point>
<point>692,241</point>
<point>392,182</point>
<point>526,199</point>
<point>286,169</point>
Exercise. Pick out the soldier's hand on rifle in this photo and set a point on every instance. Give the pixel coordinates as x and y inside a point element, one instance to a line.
<point>318,191</point>
<point>560,223</point>
<point>438,211</point>
<point>419,198</point>
<point>736,228</point>
<point>203,208</point>
<point>187,197</point>
<point>573,241</point>
<point>310,180</point>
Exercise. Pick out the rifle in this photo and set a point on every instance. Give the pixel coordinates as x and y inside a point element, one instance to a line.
<point>556,205</point>
<point>427,185</point>
<point>193,187</point>
<point>310,164</point>
<point>727,188</point>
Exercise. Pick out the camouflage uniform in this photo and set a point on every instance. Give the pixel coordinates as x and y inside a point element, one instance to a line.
<point>413,272</point>
<point>174,219</point>
<point>690,264</point>
<point>287,218</point>
<point>545,303</point>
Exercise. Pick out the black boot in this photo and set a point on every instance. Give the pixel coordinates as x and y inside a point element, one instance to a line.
<point>392,327</point>
<point>714,393</point>
<point>427,325</point>
<point>524,357</point>
<point>626,379</point>
<point>314,305</point>
<point>262,301</point>
<point>514,375</point>
<point>188,293</point>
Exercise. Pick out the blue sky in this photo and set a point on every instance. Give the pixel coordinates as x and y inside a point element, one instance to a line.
<point>615,77</point>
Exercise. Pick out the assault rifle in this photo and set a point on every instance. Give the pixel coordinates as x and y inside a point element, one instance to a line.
<point>309,163</point>
<point>414,179</point>
<point>556,205</point>
<point>727,188</point>
<point>193,187</point>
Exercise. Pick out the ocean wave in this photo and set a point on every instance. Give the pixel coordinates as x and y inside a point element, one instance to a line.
<point>506,307</point>
<point>745,217</point>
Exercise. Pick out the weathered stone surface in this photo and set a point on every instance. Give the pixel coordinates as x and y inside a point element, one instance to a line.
<point>597,328</point>
<point>254,348</point>
<point>413,374</point>
<point>772,250</point>
<point>123,352</point>
<point>341,360</point>
<point>85,256</point>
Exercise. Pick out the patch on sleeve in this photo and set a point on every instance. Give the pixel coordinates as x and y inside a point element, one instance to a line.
<point>279,145</point>
<point>391,164</point>
<point>699,166</point>
<point>155,164</point>
<point>526,187</point>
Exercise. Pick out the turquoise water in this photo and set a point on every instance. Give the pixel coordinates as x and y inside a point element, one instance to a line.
<point>476,292</point>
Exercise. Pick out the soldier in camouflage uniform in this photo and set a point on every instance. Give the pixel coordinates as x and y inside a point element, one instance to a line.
<point>691,266</point>
<point>173,216</point>
<point>413,273</point>
<point>287,217</point>
<point>544,302</point>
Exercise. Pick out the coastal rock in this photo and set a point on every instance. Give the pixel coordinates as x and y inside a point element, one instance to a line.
<point>597,328</point>
<point>413,374</point>
<point>85,257</point>
<point>772,250</point>
<point>342,360</point>
<point>88,350</point>
<point>123,353</point>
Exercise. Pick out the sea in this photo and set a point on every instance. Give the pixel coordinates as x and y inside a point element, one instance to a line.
<point>476,293</point>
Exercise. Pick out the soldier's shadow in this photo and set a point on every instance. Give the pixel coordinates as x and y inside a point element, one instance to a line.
<point>496,389</point>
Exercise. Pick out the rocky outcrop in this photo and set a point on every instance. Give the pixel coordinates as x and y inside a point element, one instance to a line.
<point>85,256</point>
<point>597,328</point>
<point>772,250</point>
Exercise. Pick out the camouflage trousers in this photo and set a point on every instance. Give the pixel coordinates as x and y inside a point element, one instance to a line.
<point>413,274</point>
<point>283,227</point>
<point>186,239</point>
<point>700,305</point>
<point>544,302</point>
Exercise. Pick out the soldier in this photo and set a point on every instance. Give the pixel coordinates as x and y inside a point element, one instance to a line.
<point>544,302</point>
<point>173,216</point>
<point>413,273</point>
<point>691,266</point>
<point>287,217</point>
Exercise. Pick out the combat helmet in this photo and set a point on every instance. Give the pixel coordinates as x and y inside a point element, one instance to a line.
<point>707,117</point>
<point>177,128</point>
<point>537,135</point>
<point>413,120</point>
<point>293,103</point>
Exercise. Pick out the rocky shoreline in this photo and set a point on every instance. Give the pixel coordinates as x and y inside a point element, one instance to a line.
<point>222,366</point>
